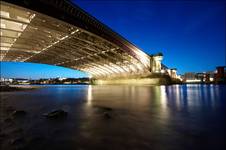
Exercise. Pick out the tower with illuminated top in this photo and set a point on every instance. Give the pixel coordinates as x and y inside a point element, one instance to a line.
<point>156,61</point>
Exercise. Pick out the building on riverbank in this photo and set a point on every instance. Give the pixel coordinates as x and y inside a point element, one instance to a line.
<point>220,75</point>
<point>217,76</point>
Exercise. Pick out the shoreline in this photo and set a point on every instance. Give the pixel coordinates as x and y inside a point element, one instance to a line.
<point>25,87</point>
<point>12,88</point>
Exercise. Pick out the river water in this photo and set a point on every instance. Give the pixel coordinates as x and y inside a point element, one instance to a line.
<point>117,117</point>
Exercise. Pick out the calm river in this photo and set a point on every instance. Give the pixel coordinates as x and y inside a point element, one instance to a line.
<point>177,117</point>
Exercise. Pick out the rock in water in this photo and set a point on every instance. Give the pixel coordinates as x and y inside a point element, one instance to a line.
<point>8,120</point>
<point>17,141</point>
<point>56,114</point>
<point>105,108</point>
<point>107,115</point>
<point>106,112</point>
<point>10,109</point>
<point>19,113</point>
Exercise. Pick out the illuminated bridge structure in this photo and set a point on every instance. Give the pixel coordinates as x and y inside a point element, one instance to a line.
<point>57,32</point>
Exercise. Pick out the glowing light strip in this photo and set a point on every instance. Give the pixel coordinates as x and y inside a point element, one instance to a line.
<point>93,71</point>
<point>143,57</point>
<point>195,80</point>
<point>54,43</point>
<point>23,27</point>
<point>116,67</point>
<point>28,51</point>
<point>102,68</point>
<point>100,71</point>
<point>89,71</point>
<point>112,68</point>
<point>90,55</point>
<point>132,68</point>
<point>106,68</point>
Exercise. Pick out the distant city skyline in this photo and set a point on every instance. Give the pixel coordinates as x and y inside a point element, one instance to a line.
<point>190,34</point>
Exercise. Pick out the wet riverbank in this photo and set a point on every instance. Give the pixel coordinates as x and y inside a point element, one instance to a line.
<point>115,117</point>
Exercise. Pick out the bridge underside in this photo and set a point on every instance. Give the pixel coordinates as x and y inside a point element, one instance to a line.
<point>29,36</point>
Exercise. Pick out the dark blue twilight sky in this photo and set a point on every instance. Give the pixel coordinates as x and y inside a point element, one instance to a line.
<point>191,33</point>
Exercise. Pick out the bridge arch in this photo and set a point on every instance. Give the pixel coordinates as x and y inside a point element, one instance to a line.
<point>56,32</point>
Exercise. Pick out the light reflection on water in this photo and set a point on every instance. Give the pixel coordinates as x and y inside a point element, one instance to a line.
<point>142,117</point>
<point>179,96</point>
<point>178,111</point>
<point>89,95</point>
<point>192,95</point>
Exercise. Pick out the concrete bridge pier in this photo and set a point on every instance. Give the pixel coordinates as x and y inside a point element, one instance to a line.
<point>156,63</point>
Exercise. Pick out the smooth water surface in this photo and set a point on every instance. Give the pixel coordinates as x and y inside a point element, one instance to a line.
<point>173,117</point>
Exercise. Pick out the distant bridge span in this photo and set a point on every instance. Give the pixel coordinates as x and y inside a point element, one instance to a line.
<point>57,32</point>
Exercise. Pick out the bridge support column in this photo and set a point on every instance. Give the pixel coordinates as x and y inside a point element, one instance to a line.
<point>156,63</point>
